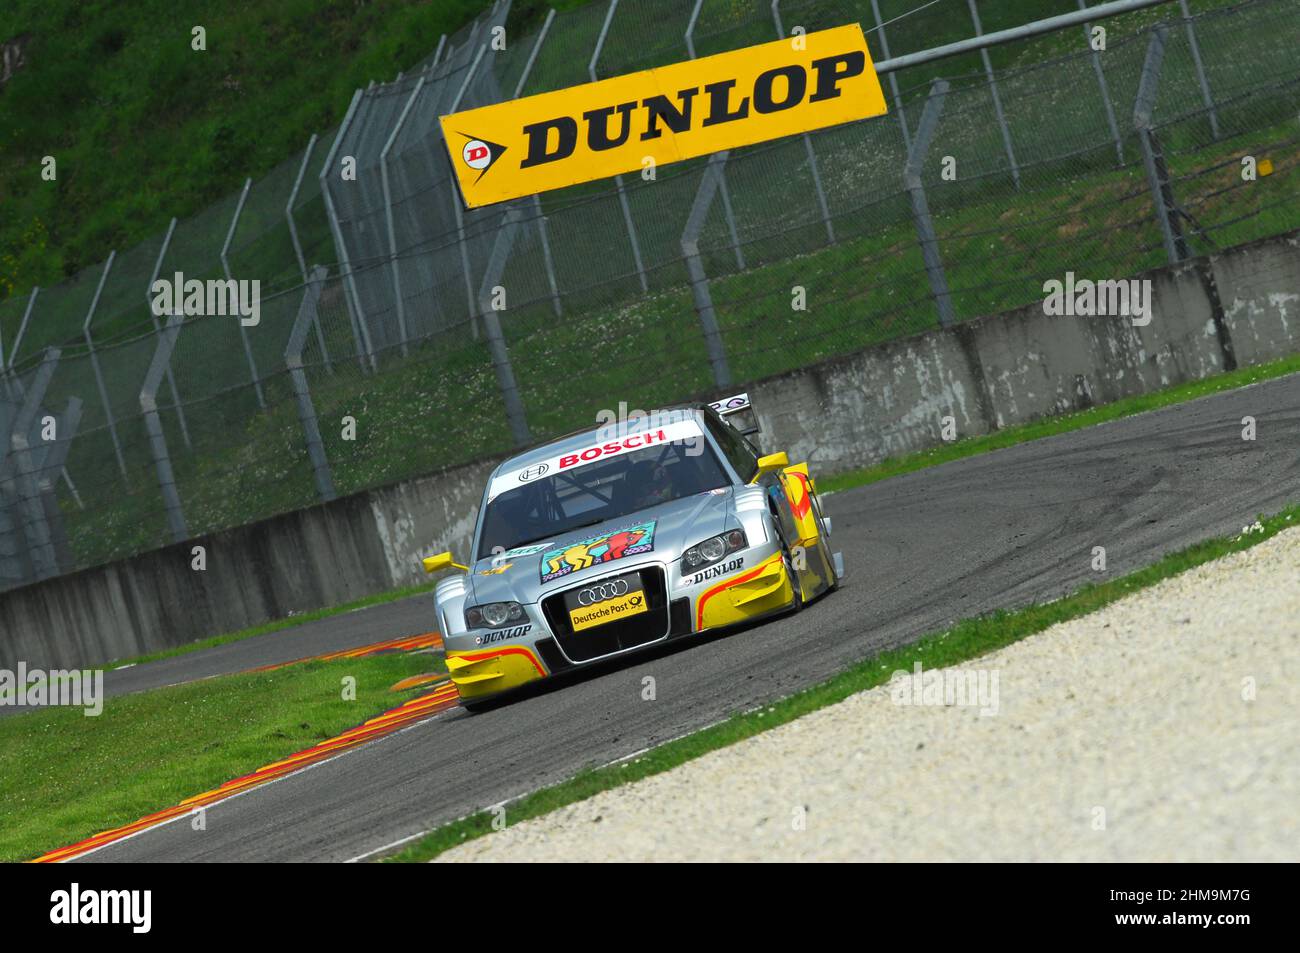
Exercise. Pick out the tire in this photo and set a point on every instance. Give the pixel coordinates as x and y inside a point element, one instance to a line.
<point>830,562</point>
<point>824,543</point>
<point>797,603</point>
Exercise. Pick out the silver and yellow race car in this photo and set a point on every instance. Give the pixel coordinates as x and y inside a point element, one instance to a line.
<point>625,536</point>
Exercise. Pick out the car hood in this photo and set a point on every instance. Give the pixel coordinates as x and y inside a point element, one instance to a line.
<point>677,526</point>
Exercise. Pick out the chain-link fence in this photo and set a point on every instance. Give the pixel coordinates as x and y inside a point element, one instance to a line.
<point>399,334</point>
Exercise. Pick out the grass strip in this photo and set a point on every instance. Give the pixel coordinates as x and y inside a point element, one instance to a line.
<point>966,640</point>
<point>65,776</point>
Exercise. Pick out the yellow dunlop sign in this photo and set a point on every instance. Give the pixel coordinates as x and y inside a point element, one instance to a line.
<point>663,115</point>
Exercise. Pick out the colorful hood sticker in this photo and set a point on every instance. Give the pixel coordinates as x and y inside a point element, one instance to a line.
<point>605,548</point>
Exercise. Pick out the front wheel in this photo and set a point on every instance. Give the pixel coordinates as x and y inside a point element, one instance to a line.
<point>830,565</point>
<point>796,602</point>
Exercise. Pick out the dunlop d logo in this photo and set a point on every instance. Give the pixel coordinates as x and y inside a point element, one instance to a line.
<point>690,109</point>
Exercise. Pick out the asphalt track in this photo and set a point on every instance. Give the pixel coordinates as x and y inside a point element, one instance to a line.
<point>351,630</point>
<point>413,616</point>
<point>925,549</point>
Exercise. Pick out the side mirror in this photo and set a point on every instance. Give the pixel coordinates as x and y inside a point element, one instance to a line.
<point>440,562</point>
<point>771,463</point>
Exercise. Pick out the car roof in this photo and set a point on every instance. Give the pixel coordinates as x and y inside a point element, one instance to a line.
<point>578,439</point>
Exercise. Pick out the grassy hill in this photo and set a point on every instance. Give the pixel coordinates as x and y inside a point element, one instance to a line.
<point>1077,210</point>
<point>143,127</point>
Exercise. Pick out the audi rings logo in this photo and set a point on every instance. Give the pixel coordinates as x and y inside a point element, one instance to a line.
<point>602,591</point>
<point>532,473</point>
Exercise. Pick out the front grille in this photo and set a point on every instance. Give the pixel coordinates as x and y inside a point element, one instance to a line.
<point>680,611</point>
<point>554,659</point>
<point>592,643</point>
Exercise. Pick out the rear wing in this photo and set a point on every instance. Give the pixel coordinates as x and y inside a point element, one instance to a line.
<point>738,412</point>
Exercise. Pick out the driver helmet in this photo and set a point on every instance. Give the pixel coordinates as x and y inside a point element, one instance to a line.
<point>654,484</point>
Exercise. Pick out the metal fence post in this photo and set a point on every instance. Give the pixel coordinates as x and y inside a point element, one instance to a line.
<point>52,467</point>
<point>153,423</point>
<point>94,365</point>
<point>710,182</point>
<point>293,197</point>
<point>543,232</point>
<point>496,265</point>
<point>171,378</point>
<point>40,546</point>
<point>225,266</point>
<point>618,179</point>
<point>997,99</point>
<point>360,332</point>
<point>13,386</point>
<point>471,302</point>
<point>921,208</point>
<point>1157,175</point>
<point>893,77</point>
<point>22,328</point>
<point>1105,89</point>
<point>428,152</point>
<point>727,209</point>
<point>437,54</point>
<point>12,572</point>
<point>813,167</point>
<point>297,243</point>
<point>1201,78</point>
<point>306,410</point>
<point>57,456</point>
<point>388,211</point>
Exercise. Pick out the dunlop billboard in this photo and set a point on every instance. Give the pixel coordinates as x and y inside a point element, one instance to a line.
<point>623,124</point>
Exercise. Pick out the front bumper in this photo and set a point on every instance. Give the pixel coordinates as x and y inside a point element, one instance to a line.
<point>746,595</point>
<point>479,674</point>
<point>743,587</point>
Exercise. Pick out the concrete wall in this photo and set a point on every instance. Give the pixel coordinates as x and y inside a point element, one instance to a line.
<point>1208,315</point>
<point>1238,308</point>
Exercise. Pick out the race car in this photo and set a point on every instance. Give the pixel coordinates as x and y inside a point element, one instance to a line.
<point>618,538</point>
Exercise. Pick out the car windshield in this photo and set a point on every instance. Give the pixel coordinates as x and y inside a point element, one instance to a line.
<point>596,492</point>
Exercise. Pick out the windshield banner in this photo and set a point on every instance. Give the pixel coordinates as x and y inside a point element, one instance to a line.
<point>598,450</point>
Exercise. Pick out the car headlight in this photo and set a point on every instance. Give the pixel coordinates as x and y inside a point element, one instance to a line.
<point>493,615</point>
<point>713,549</point>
